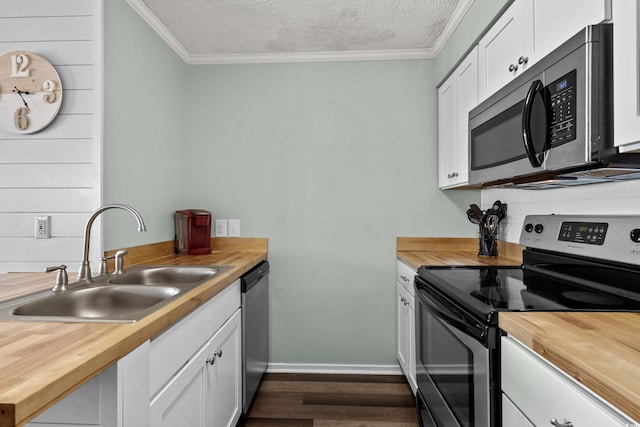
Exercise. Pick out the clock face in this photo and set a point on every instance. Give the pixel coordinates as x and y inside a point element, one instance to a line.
<point>30,92</point>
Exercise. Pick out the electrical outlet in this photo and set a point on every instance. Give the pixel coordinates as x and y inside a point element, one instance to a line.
<point>234,228</point>
<point>43,227</point>
<point>221,228</point>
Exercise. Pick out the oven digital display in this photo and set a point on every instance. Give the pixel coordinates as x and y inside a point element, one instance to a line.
<point>591,233</point>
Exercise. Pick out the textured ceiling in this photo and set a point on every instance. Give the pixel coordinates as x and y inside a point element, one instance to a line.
<point>247,30</point>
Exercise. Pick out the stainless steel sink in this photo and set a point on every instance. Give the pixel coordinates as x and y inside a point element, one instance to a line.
<point>165,275</point>
<point>128,297</point>
<point>112,302</point>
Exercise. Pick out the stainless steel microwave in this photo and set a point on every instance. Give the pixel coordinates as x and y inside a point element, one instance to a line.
<point>557,116</point>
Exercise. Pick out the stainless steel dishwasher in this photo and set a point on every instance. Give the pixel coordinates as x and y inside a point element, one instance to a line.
<point>255,330</point>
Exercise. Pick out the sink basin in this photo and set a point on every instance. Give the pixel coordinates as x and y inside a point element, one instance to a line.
<point>139,291</point>
<point>165,275</point>
<point>113,302</point>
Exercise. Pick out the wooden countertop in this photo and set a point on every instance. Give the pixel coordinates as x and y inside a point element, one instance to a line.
<point>417,251</point>
<point>599,350</point>
<point>41,362</point>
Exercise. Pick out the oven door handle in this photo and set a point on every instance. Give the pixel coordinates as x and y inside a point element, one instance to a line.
<point>468,326</point>
<point>536,89</point>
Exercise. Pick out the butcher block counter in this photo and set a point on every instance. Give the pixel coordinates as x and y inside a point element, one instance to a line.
<point>41,362</point>
<point>417,251</point>
<point>599,350</point>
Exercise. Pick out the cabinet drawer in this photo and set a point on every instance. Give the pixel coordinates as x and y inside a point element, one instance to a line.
<point>404,276</point>
<point>511,416</point>
<point>174,347</point>
<point>541,392</point>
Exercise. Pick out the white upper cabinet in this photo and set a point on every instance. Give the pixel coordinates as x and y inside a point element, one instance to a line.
<point>529,30</point>
<point>456,97</point>
<point>626,74</point>
<point>506,49</point>
<point>556,21</point>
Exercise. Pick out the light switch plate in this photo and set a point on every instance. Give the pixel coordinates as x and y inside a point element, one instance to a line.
<point>234,228</point>
<point>221,228</point>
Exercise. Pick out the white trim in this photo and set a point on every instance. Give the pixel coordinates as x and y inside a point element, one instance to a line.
<point>153,21</point>
<point>453,22</point>
<point>260,58</point>
<point>353,55</point>
<point>309,368</point>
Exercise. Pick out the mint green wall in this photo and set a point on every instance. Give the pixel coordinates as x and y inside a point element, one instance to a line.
<point>144,108</point>
<point>331,161</point>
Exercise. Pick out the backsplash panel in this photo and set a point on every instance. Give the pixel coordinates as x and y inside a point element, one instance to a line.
<point>617,198</point>
<point>57,171</point>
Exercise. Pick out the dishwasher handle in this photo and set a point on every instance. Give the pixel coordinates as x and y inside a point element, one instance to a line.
<point>254,276</point>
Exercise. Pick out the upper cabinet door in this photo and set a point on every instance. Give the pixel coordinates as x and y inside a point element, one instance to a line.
<point>556,21</point>
<point>527,32</point>
<point>626,74</point>
<point>503,52</point>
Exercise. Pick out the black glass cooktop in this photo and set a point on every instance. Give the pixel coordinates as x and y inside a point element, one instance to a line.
<point>559,287</point>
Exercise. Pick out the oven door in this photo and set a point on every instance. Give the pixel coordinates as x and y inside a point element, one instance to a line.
<point>455,363</point>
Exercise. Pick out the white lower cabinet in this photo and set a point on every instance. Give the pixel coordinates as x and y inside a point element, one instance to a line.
<point>405,323</point>
<point>189,375</point>
<point>536,392</point>
<point>207,390</point>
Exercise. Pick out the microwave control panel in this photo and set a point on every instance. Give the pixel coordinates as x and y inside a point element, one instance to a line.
<point>562,95</point>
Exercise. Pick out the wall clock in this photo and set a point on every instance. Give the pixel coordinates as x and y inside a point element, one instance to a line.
<point>30,92</point>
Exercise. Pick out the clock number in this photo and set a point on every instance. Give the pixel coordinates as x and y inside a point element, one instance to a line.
<point>20,118</point>
<point>49,86</point>
<point>19,65</point>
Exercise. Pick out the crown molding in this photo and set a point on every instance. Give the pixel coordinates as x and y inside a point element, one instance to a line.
<point>145,13</point>
<point>259,58</point>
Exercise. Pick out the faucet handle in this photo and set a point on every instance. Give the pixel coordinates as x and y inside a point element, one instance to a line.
<point>104,267</point>
<point>62,279</point>
<point>119,256</point>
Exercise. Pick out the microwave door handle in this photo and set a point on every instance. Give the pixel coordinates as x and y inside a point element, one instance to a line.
<point>535,158</point>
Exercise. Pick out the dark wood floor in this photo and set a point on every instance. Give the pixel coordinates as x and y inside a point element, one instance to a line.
<point>318,400</point>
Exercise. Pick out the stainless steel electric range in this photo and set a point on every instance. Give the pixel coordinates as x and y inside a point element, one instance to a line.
<point>571,263</point>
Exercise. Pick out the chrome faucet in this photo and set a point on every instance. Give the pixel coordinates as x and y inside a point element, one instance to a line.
<point>85,269</point>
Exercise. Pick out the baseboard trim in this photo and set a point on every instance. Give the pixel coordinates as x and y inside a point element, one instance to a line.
<point>307,368</point>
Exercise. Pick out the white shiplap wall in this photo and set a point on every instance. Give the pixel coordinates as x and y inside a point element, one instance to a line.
<point>619,198</point>
<point>57,171</point>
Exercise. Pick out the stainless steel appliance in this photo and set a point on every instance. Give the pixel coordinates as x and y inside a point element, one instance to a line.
<point>571,263</point>
<point>555,120</point>
<point>255,330</point>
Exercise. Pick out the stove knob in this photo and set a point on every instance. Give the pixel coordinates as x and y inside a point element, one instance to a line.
<point>538,228</point>
<point>528,228</point>
<point>635,235</point>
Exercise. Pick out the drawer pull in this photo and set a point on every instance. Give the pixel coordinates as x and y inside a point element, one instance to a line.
<point>405,278</point>
<point>557,423</point>
<point>211,360</point>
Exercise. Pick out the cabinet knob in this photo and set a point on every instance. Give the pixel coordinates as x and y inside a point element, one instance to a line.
<point>452,175</point>
<point>211,360</point>
<point>523,60</point>
<point>513,68</point>
<point>557,423</point>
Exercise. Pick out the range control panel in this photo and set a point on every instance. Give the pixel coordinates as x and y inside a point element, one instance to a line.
<point>591,233</point>
<point>614,238</point>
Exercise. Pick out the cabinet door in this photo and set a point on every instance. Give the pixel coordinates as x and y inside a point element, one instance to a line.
<point>511,416</point>
<point>626,74</point>
<point>501,48</point>
<point>405,331</point>
<point>557,21</point>
<point>542,391</point>
<point>224,375</point>
<point>448,132</point>
<point>182,401</point>
<point>456,97</point>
